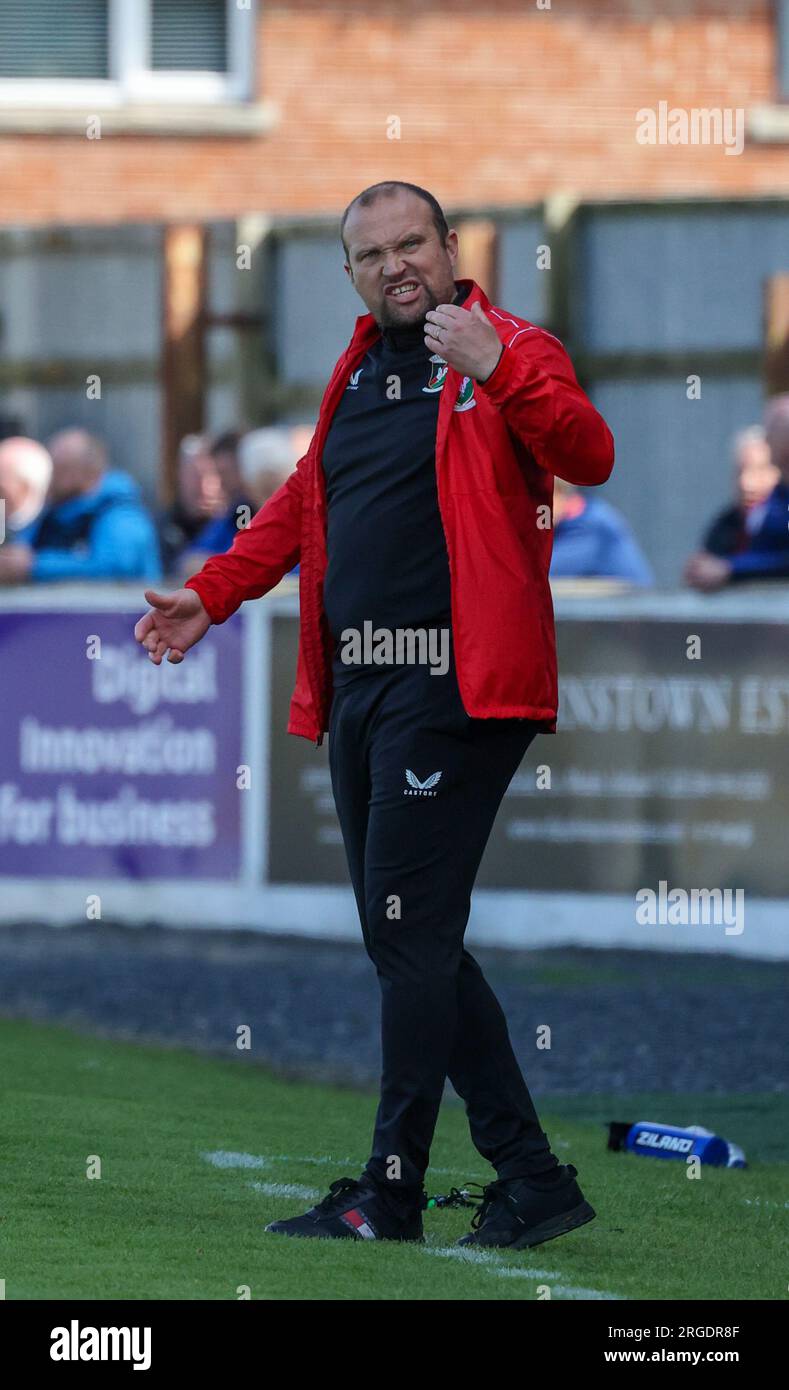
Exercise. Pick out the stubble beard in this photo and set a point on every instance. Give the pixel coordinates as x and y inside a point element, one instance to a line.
<point>432,301</point>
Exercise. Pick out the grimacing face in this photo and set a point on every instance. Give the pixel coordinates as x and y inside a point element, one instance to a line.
<point>394,243</point>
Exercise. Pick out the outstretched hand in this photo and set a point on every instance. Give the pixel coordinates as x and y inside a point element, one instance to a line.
<point>173,624</point>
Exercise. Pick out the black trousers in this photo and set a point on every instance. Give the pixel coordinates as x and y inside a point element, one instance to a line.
<point>417,784</point>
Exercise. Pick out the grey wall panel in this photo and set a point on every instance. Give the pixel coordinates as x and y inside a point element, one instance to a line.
<point>662,278</point>
<point>222,349</point>
<point>782,34</point>
<point>673,459</point>
<point>98,305</point>
<point>222,408</point>
<point>225,293</point>
<point>522,287</point>
<point>315,308</point>
<point>127,417</point>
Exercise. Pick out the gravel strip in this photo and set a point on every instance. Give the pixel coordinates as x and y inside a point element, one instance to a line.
<point>620,1020</point>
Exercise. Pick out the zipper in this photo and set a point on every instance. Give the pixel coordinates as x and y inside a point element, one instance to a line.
<point>318,506</point>
<point>441,436</point>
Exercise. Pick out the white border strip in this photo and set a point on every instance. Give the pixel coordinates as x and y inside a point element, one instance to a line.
<point>519,920</point>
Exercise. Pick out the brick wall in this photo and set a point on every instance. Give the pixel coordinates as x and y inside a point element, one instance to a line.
<point>500,103</point>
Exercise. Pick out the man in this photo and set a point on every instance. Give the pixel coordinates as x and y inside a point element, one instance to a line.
<point>220,532</point>
<point>266,457</point>
<point>93,527</point>
<point>420,505</point>
<point>765,554</point>
<point>592,541</point>
<point>199,498</point>
<point>25,472</point>
<point>755,476</point>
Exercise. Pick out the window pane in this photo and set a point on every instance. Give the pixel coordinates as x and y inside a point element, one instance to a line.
<point>188,34</point>
<point>47,38</point>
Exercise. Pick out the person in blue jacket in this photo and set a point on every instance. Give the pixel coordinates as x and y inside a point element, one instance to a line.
<point>94,525</point>
<point>251,467</point>
<point>592,541</point>
<point>220,531</point>
<point>767,554</point>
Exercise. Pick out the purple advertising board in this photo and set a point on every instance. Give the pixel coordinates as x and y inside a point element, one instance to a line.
<point>111,766</point>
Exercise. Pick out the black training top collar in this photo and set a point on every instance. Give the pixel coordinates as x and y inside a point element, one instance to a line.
<point>413,335</point>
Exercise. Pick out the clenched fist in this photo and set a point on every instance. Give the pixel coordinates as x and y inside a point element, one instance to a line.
<point>465,338</point>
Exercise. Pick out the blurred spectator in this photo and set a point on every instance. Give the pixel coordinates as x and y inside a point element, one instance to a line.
<point>755,476</point>
<point>94,525</point>
<point>252,466</point>
<point>591,540</point>
<point>767,555</point>
<point>268,456</point>
<point>301,438</point>
<point>218,534</point>
<point>25,473</point>
<point>200,498</point>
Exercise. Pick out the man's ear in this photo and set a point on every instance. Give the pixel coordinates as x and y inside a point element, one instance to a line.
<point>451,247</point>
<point>348,272</point>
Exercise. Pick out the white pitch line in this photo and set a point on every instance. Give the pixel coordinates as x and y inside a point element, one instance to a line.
<point>467,1254</point>
<point>494,1264</point>
<point>321,1161</point>
<point>286,1189</point>
<point>225,1158</point>
<point>353,1162</point>
<point>568,1291</point>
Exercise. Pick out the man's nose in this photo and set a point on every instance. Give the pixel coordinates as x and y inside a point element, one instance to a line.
<point>393,267</point>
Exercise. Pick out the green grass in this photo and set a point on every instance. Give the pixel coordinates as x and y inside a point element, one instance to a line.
<point>162,1223</point>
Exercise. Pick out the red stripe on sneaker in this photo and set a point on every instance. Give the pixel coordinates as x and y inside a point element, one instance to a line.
<point>360,1224</point>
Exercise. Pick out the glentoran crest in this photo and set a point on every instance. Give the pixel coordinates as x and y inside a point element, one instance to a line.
<point>438,372</point>
<point>437,375</point>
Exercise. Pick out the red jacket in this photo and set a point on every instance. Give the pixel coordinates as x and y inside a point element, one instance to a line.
<point>498,445</point>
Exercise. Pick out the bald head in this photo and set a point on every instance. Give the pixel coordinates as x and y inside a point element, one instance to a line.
<point>776,431</point>
<point>25,472</point>
<point>398,259</point>
<point>267,456</point>
<point>78,461</point>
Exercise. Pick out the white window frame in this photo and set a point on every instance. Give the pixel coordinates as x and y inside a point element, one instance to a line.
<point>133,81</point>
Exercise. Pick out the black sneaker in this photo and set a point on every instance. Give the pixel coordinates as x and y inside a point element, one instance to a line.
<point>356,1209</point>
<point>517,1213</point>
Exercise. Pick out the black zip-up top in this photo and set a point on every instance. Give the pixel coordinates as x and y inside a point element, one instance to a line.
<point>387,557</point>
